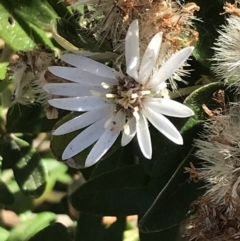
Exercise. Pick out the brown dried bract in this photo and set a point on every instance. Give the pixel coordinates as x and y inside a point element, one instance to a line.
<point>190,8</point>
<point>51,78</point>
<point>173,22</point>
<point>51,112</point>
<point>208,111</point>
<point>67,3</point>
<point>129,7</point>
<point>35,60</point>
<point>231,9</point>
<point>219,98</point>
<point>194,173</point>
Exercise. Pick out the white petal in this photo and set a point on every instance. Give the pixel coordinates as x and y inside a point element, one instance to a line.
<point>163,125</point>
<point>72,89</point>
<point>132,49</point>
<point>80,76</point>
<point>149,58</point>
<point>163,85</point>
<point>101,147</point>
<point>143,136</point>
<point>82,121</point>
<point>168,107</point>
<point>79,103</point>
<point>126,138</point>
<point>85,139</point>
<point>118,121</point>
<point>107,139</point>
<point>170,67</point>
<point>88,65</point>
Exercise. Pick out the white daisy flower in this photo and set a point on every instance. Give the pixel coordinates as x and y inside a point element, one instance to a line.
<point>114,102</point>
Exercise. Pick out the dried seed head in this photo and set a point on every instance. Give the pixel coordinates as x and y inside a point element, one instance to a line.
<point>217,212</point>
<point>26,68</point>
<point>175,22</point>
<point>226,64</point>
<point>167,16</point>
<point>213,222</point>
<point>219,148</point>
<point>29,72</point>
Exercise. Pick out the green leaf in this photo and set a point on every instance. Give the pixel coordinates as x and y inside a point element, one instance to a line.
<point>89,227</point>
<point>6,197</point>
<point>55,169</point>
<point>29,119</point>
<point>20,21</point>
<point>3,234</point>
<point>25,230</point>
<point>171,234</point>
<point>165,212</point>
<point>124,156</point>
<point>22,203</point>
<point>3,84</point>
<point>27,165</point>
<point>120,192</point>
<point>13,34</point>
<point>166,154</point>
<point>53,232</point>
<point>3,70</point>
<point>37,12</point>
<point>24,119</point>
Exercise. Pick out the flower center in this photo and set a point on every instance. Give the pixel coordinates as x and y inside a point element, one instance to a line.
<point>128,95</point>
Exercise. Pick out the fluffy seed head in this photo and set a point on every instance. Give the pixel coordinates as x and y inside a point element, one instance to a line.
<point>30,73</point>
<point>226,63</point>
<point>217,213</point>
<point>219,149</point>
